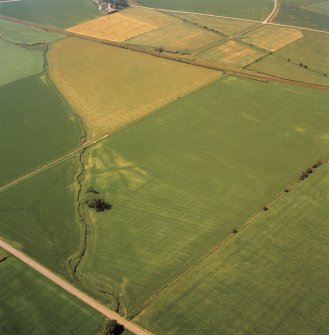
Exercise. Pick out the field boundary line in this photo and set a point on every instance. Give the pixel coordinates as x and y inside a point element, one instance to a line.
<point>136,329</point>
<point>253,218</point>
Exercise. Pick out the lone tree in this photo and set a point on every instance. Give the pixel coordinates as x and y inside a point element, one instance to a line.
<point>99,204</point>
<point>113,328</point>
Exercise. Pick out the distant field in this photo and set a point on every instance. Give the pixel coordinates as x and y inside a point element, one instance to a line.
<point>225,26</point>
<point>178,37</point>
<point>181,179</point>
<point>19,33</point>
<point>295,14</point>
<point>272,278</point>
<point>17,62</point>
<point>231,52</point>
<point>321,7</point>
<point>38,216</point>
<point>60,13</point>
<point>36,126</point>
<point>312,50</point>
<point>31,304</point>
<point>272,38</point>
<point>116,27</point>
<point>111,87</point>
<point>249,9</point>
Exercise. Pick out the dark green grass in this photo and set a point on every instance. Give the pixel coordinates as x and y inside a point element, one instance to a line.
<point>20,33</point>
<point>38,216</point>
<point>36,126</point>
<point>293,14</point>
<point>272,278</point>
<point>59,13</point>
<point>246,9</point>
<point>183,178</point>
<point>31,304</point>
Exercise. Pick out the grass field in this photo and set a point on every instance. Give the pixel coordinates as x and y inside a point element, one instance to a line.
<point>32,110</point>
<point>320,7</point>
<point>272,38</point>
<point>60,13</point>
<point>19,33</point>
<point>231,52</point>
<point>38,216</point>
<point>111,87</point>
<point>271,278</point>
<point>183,178</point>
<point>312,50</point>
<point>227,27</point>
<point>17,62</point>
<point>295,14</point>
<point>30,304</point>
<point>250,9</point>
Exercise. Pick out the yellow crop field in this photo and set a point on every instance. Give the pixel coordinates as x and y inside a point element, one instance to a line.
<point>111,87</point>
<point>230,52</point>
<point>177,37</point>
<point>227,27</point>
<point>116,27</point>
<point>273,38</point>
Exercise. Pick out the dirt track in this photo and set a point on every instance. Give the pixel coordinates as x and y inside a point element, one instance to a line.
<point>274,12</point>
<point>74,291</point>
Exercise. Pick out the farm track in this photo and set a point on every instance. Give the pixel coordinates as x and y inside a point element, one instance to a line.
<point>274,12</point>
<point>235,72</point>
<point>221,243</point>
<point>73,291</point>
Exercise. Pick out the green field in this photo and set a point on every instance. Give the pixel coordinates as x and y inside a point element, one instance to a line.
<point>38,216</point>
<point>247,9</point>
<point>321,7</point>
<point>36,126</point>
<point>19,33</point>
<point>31,304</point>
<point>181,179</point>
<point>271,278</point>
<point>17,62</point>
<point>295,14</point>
<point>312,50</point>
<point>59,13</point>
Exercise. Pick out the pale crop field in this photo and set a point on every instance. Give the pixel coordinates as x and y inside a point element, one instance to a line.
<point>232,53</point>
<point>272,38</point>
<point>116,27</point>
<point>110,87</point>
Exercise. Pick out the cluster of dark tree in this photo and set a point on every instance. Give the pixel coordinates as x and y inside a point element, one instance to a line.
<point>97,203</point>
<point>118,3</point>
<point>306,173</point>
<point>113,328</point>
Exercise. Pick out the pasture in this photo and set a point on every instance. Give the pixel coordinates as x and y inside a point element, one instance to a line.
<point>226,27</point>
<point>59,13</point>
<point>19,33</point>
<point>31,110</point>
<point>181,179</point>
<point>250,9</point>
<point>31,304</point>
<point>110,87</point>
<point>38,216</point>
<point>232,53</point>
<point>319,7</point>
<point>295,14</point>
<point>271,278</point>
<point>17,62</point>
<point>272,38</point>
<point>310,51</point>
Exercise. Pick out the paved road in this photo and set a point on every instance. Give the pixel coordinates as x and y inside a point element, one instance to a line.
<point>74,291</point>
